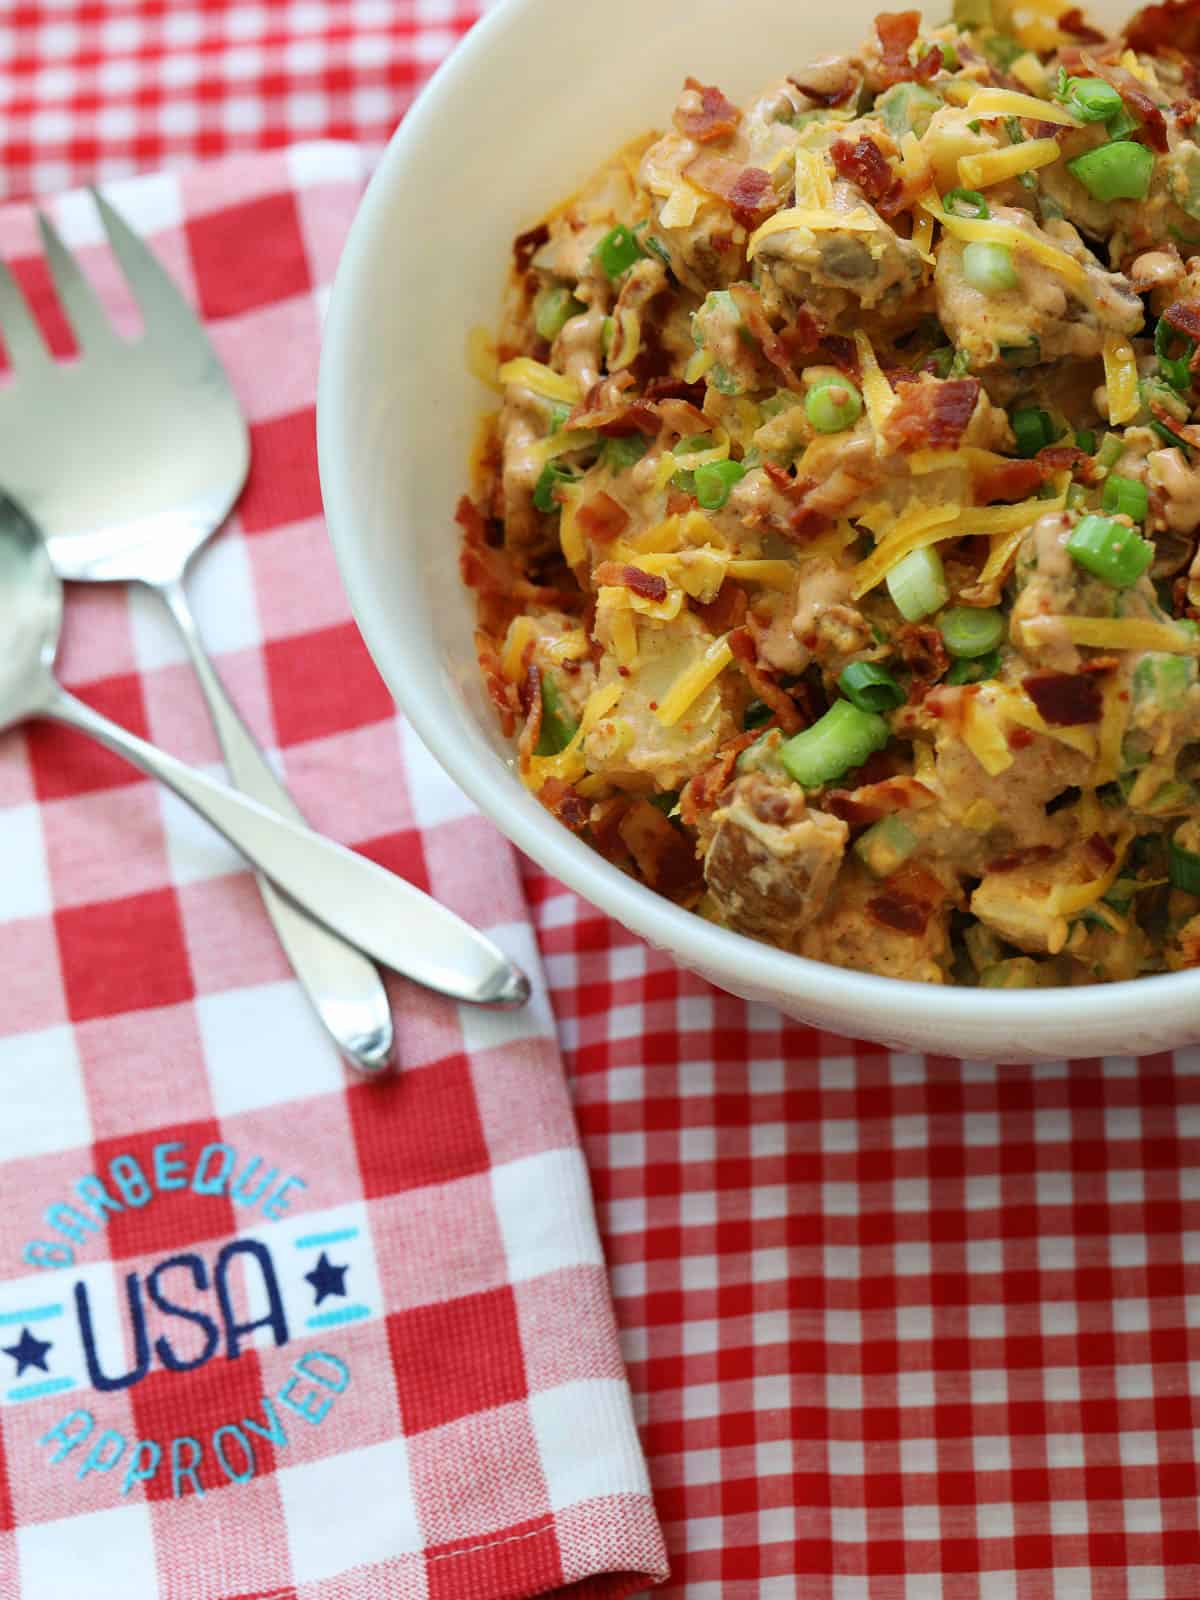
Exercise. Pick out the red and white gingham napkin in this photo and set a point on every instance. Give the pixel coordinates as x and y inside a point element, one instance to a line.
<point>266,1330</point>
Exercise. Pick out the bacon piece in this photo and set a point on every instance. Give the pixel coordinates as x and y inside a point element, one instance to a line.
<point>566,803</point>
<point>701,793</point>
<point>526,246</point>
<point>804,522</point>
<point>601,519</point>
<point>603,834</point>
<point>492,573</point>
<point>665,856</point>
<point>1027,856</point>
<point>679,503</point>
<point>649,585</point>
<point>531,705</point>
<point>1187,431</point>
<point>907,901</point>
<point>923,651</point>
<point>1073,22</point>
<point>865,164</point>
<point>1133,93</point>
<point>1012,480</point>
<point>870,802</point>
<point>933,414</point>
<point>1184,317</point>
<point>727,610</point>
<point>841,352</point>
<point>1099,852</point>
<point>1065,699</point>
<point>606,409</point>
<point>714,118</point>
<point>762,682</point>
<point>683,418</point>
<point>500,692</point>
<point>747,191</point>
<point>1175,24</point>
<point>667,388</point>
<point>784,349</point>
<point>897,31</point>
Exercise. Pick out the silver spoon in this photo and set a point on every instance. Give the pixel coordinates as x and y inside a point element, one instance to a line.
<point>374,910</point>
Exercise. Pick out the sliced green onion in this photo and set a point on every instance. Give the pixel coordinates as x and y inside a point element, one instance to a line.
<point>1183,866</point>
<point>694,446</point>
<point>1022,355</point>
<point>756,715</point>
<point>543,493</point>
<point>907,107</point>
<point>1126,497</point>
<point>918,585</point>
<point>843,738</point>
<point>969,632</point>
<point>1020,973</point>
<point>658,248</point>
<point>989,267</point>
<point>965,203</point>
<point>1032,429</point>
<point>1016,133</point>
<point>977,671</point>
<point>1091,99</point>
<point>617,251</point>
<point>558,725</point>
<point>1003,50</point>
<point>1085,440</point>
<point>559,412</point>
<point>1118,171</point>
<point>1110,551</point>
<point>1176,369</point>
<point>1112,448</point>
<point>624,451</point>
<point>834,406</point>
<point>885,847</point>
<point>1162,681</point>
<point>666,802</point>
<point>553,309</point>
<point>1169,434</point>
<point>714,482</point>
<point>871,688</point>
<point>1122,122</point>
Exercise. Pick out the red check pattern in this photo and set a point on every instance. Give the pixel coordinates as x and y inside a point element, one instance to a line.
<point>897,1328</point>
<point>266,1330</point>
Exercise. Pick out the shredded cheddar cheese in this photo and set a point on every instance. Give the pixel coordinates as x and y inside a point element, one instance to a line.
<point>771,574</point>
<point>693,681</point>
<point>998,166</point>
<point>816,221</point>
<point>681,208</point>
<point>1121,379</point>
<point>990,231</point>
<point>541,379</point>
<point>877,391</point>
<point>1008,103</point>
<point>1128,633</point>
<point>570,536</point>
<point>521,635</point>
<point>624,637</point>
<point>925,525</point>
<point>922,238</point>
<point>813,186</point>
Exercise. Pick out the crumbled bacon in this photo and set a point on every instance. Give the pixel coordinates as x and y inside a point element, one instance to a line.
<point>1009,480</point>
<point>923,651</point>
<point>665,856</point>
<point>782,350</point>
<point>1099,852</point>
<point>1184,317</point>
<point>1065,699</point>
<point>897,31</point>
<point>861,807</point>
<point>606,409</point>
<point>601,519</point>
<point>667,388</point>
<point>933,414</point>
<point>1132,92</point>
<point>603,826</point>
<point>683,418</point>
<point>1187,431</point>
<point>500,692</point>
<point>748,191</point>
<point>493,574</point>
<point>907,901</point>
<point>527,245</point>
<point>1073,22</point>
<point>763,683</point>
<point>714,118</point>
<point>827,97</point>
<point>567,804</point>
<point>649,585</point>
<point>701,793</point>
<point>727,610</point>
<point>1175,24</point>
<point>804,522</point>
<point>841,352</point>
<point>865,164</point>
<point>1027,856</point>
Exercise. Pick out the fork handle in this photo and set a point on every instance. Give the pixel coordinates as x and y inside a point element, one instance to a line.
<point>399,925</point>
<point>345,989</point>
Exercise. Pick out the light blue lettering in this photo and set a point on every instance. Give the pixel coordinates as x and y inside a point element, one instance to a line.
<point>185,1470</point>
<point>143,1464</point>
<point>66,1438</point>
<point>313,1407</point>
<point>204,1182</point>
<point>240,1190</point>
<point>169,1171</point>
<point>104,1454</point>
<point>46,1253</point>
<point>93,1194</point>
<point>279,1201</point>
<point>130,1179</point>
<point>71,1222</point>
<point>274,1431</point>
<point>307,1365</point>
<point>232,1431</point>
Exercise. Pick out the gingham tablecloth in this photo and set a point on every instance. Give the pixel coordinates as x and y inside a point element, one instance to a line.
<point>898,1328</point>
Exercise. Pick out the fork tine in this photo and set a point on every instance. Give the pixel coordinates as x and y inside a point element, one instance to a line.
<point>75,293</point>
<point>22,337</point>
<point>164,309</point>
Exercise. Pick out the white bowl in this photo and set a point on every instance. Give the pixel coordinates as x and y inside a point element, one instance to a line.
<point>537,96</point>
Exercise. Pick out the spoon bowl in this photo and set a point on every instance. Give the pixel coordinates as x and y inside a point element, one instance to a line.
<point>31,605</point>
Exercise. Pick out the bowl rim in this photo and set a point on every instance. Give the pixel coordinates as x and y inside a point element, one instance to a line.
<point>714,952</point>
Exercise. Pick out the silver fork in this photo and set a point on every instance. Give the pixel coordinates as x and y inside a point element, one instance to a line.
<point>130,459</point>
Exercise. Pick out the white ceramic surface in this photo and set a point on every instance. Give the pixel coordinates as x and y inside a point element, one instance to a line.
<point>537,96</point>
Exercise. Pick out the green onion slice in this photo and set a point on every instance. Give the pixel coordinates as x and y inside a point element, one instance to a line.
<point>969,632</point>
<point>871,688</point>
<point>918,585</point>
<point>1110,551</point>
<point>842,739</point>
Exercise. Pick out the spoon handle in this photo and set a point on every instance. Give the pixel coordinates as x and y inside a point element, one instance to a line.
<point>400,926</point>
<point>345,988</point>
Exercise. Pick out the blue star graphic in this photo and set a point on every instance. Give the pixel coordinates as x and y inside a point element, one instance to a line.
<point>29,1351</point>
<point>327,1279</point>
